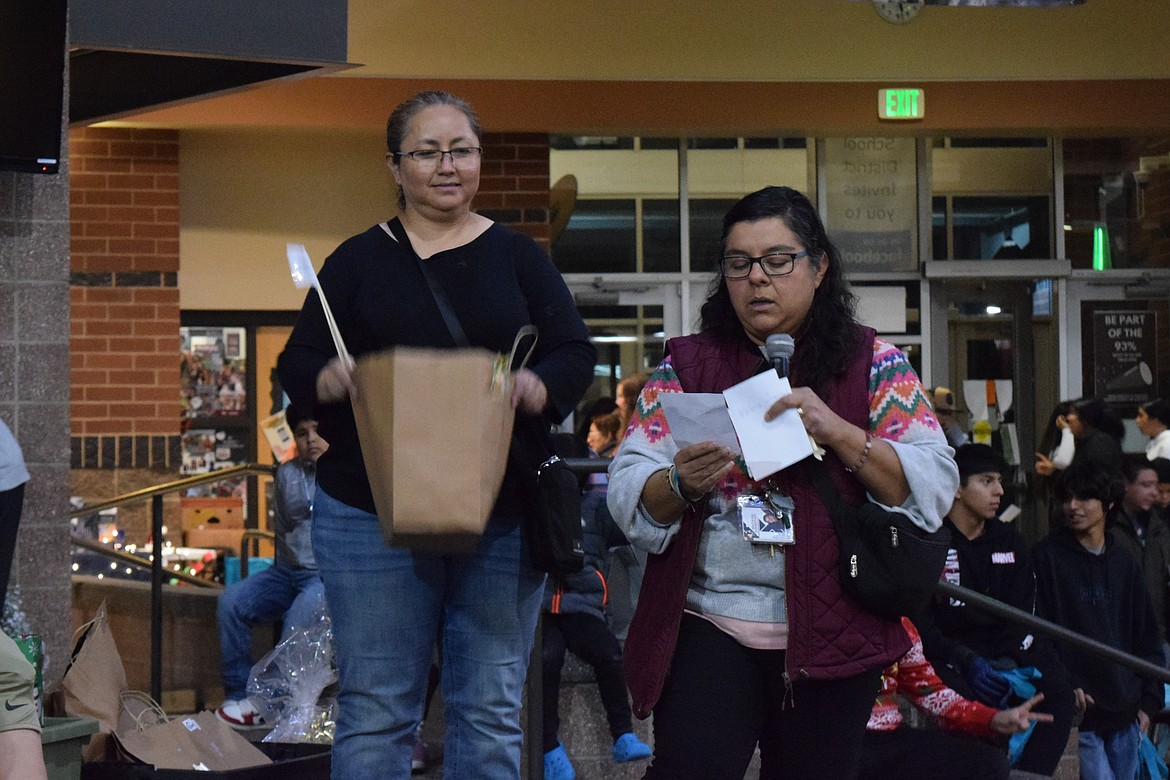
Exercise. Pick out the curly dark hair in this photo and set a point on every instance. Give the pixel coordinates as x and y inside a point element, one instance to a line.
<point>826,341</point>
<point>1095,413</point>
<point>1087,481</point>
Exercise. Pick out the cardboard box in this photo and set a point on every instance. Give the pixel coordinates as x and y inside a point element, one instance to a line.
<point>226,539</point>
<point>208,512</point>
<point>218,538</point>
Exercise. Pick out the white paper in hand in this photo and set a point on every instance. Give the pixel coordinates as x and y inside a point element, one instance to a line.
<point>767,447</point>
<point>698,417</point>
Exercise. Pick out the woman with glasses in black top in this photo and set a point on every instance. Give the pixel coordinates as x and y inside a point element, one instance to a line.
<point>391,605</point>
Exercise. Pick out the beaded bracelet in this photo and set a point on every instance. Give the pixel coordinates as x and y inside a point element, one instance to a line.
<point>675,487</point>
<point>864,454</point>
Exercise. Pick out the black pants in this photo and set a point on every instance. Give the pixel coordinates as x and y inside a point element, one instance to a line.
<point>917,754</point>
<point>11,503</point>
<point>590,639</point>
<point>1046,744</point>
<point>721,699</point>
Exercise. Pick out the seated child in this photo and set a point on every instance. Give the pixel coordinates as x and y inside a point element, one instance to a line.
<point>288,590</point>
<point>574,619</point>
<point>892,748</point>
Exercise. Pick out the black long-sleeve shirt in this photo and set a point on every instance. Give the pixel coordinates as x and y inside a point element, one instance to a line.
<point>996,564</point>
<point>497,283</point>
<point>1102,597</point>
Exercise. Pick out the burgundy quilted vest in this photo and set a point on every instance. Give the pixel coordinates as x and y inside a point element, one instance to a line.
<point>829,636</point>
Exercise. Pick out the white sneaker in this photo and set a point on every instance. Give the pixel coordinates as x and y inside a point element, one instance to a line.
<point>239,714</point>
<point>418,755</point>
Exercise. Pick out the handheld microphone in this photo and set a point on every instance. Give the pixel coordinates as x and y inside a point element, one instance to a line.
<point>778,348</point>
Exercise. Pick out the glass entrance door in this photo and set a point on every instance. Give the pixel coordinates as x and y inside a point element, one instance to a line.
<point>999,357</point>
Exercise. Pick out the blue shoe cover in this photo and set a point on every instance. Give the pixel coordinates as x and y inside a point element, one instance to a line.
<point>628,748</point>
<point>557,765</point>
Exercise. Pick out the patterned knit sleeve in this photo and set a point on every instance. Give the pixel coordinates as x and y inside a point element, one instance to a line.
<point>647,448</point>
<point>900,413</point>
<point>918,682</point>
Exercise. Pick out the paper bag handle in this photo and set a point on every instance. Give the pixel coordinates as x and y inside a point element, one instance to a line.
<point>152,708</point>
<point>100,615</point>
<point>523,333</point>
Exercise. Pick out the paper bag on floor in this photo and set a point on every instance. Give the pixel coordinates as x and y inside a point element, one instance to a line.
<point>435,426</point>
<point>94,682</point>
<point>200,742</point>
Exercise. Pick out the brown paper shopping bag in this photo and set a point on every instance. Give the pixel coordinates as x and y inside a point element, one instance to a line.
<point>193,742</point>
<point>435,430</point>
<point>93,684</point>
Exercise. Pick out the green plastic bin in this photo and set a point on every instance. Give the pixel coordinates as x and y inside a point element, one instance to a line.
<point>61,743</point>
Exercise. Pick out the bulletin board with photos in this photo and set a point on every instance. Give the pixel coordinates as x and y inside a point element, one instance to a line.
<point>231,401</point>
<point>213,372</point>
<point>213,386</point>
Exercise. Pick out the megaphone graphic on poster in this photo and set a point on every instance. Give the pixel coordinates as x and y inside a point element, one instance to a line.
<point>1136,377</point>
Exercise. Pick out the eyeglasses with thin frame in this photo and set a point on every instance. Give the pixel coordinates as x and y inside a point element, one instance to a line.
<point>773,264</point>
<point>461,156</point>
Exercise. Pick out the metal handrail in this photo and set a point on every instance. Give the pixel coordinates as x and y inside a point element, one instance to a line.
<point>157,573</point>
<point>587,465</point>
<point>133,560</point>
<point>242,470</point>
<point>252,535</point>
<point>1061,634</point>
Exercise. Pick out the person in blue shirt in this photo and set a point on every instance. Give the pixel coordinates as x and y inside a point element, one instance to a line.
<point>289,590</point>
<point>13,475</point>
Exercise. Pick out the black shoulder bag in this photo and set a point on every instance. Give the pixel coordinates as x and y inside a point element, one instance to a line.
<point>887,564</point>
<point>552,524</point>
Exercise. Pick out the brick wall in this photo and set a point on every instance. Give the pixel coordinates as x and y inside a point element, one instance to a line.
<point>124,263</point>
<point>513,185</point>
<point>124,254</point>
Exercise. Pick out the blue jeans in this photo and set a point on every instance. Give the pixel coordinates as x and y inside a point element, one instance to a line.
<point>276,593</point>
<point>1112,756</point>
<point>389,607</point>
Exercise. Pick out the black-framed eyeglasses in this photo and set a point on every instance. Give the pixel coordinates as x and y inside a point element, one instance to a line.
<point>773,264</point>
<point>461,156</point>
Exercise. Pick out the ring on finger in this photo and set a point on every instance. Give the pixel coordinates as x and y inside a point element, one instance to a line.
<point>800,410</point>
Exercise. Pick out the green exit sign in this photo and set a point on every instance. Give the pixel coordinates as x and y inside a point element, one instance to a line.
<point>901,104</point>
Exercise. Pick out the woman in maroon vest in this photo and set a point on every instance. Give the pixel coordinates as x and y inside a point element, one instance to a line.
<point>738,641</point>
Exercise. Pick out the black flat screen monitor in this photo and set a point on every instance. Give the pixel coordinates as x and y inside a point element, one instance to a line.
<point>32,84</point>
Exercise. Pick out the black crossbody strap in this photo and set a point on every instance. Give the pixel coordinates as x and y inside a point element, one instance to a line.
<point>395,229</point>
<point>818,474</point>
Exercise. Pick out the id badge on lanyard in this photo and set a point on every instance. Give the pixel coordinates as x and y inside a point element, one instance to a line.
<point>768,518</point>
